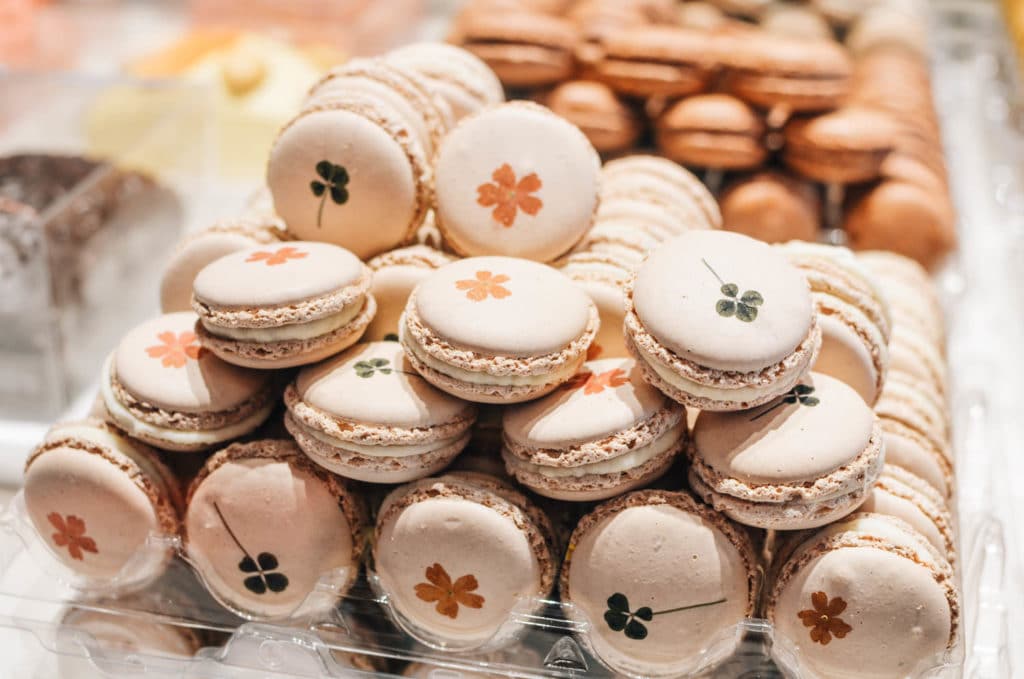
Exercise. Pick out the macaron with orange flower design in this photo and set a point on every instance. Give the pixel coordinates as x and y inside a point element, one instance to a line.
<point>604,433</point>
<point>283,306</point>
<point>498,329</point>
<point>161,387</point>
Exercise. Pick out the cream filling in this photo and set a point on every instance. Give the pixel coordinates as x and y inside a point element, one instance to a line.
<point>631,460</point>
<point>701,390</point>
<point>377,451</point>
<point>293,331</point>
<point>136,427</point>
<point>560,375</point>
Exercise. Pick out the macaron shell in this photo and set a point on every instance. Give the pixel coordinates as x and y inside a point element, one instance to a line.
<point>395,275</point>
<point>846,356</point>
<point>926,514</point>
<point>128,635</point>
<point>772,207</point>
<point>608,343</point>
<point>455,74</point>
<point>516,180</point>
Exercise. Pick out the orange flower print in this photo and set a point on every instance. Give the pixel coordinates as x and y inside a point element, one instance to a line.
<point>507,196</point>
<point>484,285</point>
<point>595,383</point>
<point>280,256</point>
<point>71,534</point>
<point>447,594</point>
<point>823,619</point>
<point>175,350</point>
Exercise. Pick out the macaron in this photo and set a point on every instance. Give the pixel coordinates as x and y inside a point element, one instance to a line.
<point>644,211</point>
<point>278,307</point>
<point>805,460</point>
<point>913,354</point>
<point>621,240</point>
<point>161,387</point>
<point>456,75</point>
<point>844,146</point>
<point>516,180</point>
<point>395,274</point>
<point>703,16</point>
<point>712,130</point>
<point>912,445</point>
<point>96,497</point>
<point>720,321</point>
<point>854,317</point>
<point>523,48</point>
<point>498,329</point>
<point>900,493</point>
<point>749,9</point>
<point>367,415</point>
<point>647,61</point>
<point>657,579</point>
<point>603,277</point>
<point>199,249</point>
<point>609,123</point>
<point>664,183</point>
<point>866,597</point>
<point>795,21</point>
<point>121,634</point>
<point>906,285</point>
<point>265,528</point>
<point>350,172</point>
<point>607,432</point>
<point>905,396</point>
<point>456,555</point>
<point>883,24</point>
<point>772,206</point>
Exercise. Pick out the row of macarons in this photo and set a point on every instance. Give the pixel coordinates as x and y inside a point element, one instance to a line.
<point>454,557</point>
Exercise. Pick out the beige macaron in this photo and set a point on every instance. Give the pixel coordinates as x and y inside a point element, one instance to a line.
<point>395,274</point>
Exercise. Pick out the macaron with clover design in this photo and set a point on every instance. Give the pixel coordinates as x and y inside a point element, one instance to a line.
<point>498,329</point>
<point>279,307</point>
<point>721,322</point>
<point>161,387</point>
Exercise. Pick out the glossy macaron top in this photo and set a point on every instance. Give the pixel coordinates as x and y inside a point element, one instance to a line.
<point>723,300</point>
<point>279,276</point>
<point>516,180</point>
<point>160,363</point>
<point>819,427</point>
<point>482,304</point>
<point>374,384</point>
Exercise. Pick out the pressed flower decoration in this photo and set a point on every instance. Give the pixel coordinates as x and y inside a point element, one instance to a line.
<point>824,620</point>
<point>175,350</point>
<point>801,393</point>
<point>373,366</point>
<point>620,618</point>
<point>333,182</point>
<point>509,196</point>
<point>595,383</point>
<point>743,307</point>
<point>448,595</point>
<point>71,534</point>
<point>278,257</point>
<point>263,573</point>
<point>484,285</point>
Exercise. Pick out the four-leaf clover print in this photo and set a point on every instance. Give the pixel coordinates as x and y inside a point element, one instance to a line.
<point>800,394</point>
<point>373,366</point>
<point>743,307</point>
<point>262,571</point>
<point>333,182</point>
<point>620,618</point>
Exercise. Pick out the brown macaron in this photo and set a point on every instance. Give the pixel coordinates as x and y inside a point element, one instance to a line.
<point>845,146</point>
<point>772,206</point>
<point>712,130</point>
<point>525,49</point>
<point>610,124</point>
<point>657,61</point>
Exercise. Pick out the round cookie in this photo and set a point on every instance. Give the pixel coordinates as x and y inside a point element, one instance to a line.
<point>899,493</point>
<point>719,321</point>
<point>264,526</point>
<point>650,61</point>
<point>161,387</point>
<point>806,460</point>
<point>795,21</point>
<point>395,274</point>
<point>282,307</point>
<point>712,130</point>
<point>456,554</point>
<point>605,433</point>
<point>845,146</point>
<point>772,206</point>
<point>516,180</point>
<point>690,576</point>
<point>610,124</point>
<point>603,277</point>
<point>498,329</point>
<point>122,634</point>
<point>661,181</point>
<point>350,172</point>
<point>465,82</point>
<point>95,497</point>
<point>523,48</point>
<point>367,415</point>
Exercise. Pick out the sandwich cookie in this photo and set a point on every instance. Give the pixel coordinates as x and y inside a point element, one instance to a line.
<point>283,306</point>
<point>610,124</point>
<point>712,130</point>
<point>516,180</point>
<point>866,597</point>
<point>160,386</point>
<point>498,329</point>
<point>906,285</point>
<point>265,527</point>
<point>795,21</point>
<point>719,321</point>
<point>649,61</point>
<point>395,274</point>
<point>350,172</point>
<point>845,146</point>
<point>604,433</point>
<point>916,356</point>
<point>662,182</point>
<point>689,576</point>
<point>96,499</point>
<point>603,277</point>
<point>367,415</point>
<point>523,48</point>
<point>803,461</point>
<point>899,493</point>
<point>460,78</point>
<point>772,206</point>
<point>854,318</point>
<point>456,555</point>
<point>122,635</point>
<point>210,244</point>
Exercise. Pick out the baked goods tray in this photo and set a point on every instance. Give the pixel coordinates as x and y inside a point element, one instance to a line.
<point>977,95</point>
